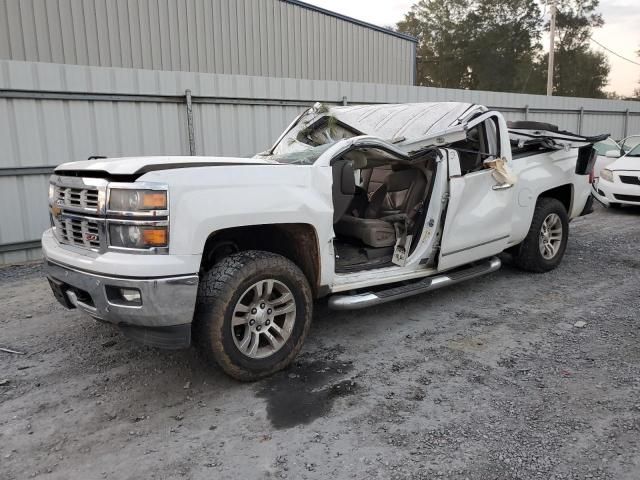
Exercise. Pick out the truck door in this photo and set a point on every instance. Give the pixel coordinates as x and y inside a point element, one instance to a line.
<point>478,218</point>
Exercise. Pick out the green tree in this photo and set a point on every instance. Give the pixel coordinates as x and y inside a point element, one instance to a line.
<point>505,39</point>
<point>496,45</point>
<point>579,71</point>
<point>442,43</point>
<point>476,44</point>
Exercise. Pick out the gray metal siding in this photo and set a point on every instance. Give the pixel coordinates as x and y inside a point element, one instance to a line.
<point>244,116</point>
<point>247,37</point>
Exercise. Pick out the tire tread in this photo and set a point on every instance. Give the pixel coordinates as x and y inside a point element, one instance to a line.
<point>217,287</point>
<point>527,255</point>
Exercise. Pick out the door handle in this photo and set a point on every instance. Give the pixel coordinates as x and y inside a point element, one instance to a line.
<point>502,186</point>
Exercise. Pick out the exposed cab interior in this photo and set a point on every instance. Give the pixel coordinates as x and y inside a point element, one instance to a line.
<point>379,201</point>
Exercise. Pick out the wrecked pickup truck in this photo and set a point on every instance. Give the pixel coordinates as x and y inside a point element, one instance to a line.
<point>362,204</point>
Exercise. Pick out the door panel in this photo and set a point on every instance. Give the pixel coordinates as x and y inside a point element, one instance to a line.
<point>478,219</point>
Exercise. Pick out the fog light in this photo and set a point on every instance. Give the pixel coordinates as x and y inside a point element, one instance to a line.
<point>131,295</point>
<point>126,297</point>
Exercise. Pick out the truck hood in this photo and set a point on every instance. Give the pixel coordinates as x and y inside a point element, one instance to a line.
<point>142,165</point>
<point>626,163</point>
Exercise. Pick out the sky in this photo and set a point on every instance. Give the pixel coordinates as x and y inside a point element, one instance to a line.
<point>621,32</point>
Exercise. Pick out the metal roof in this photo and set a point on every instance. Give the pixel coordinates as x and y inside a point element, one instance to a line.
<point>410,120</point>
<point>355,21</point>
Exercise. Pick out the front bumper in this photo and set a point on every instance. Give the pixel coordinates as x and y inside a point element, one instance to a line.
<point>162,316</point>
<point>616,192</point>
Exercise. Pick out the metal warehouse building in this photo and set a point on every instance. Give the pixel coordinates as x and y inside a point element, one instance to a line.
<point>275,38</point>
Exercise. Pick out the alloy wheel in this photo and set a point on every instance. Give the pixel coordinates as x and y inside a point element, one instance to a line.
<point>263,318</point>
<point>550,236</point>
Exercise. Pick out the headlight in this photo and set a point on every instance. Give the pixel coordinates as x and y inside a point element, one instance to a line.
<point>138,236</point>
<point>606,174</point>
<point>127,200</point>
<point>52,191</point>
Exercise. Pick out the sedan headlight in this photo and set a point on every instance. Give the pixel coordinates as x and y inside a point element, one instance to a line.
<point>138,236</point>
<point>128,200</point>
<point>606,174</point>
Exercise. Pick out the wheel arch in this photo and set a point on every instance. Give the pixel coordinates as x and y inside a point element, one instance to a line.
<point>297,242</point>
<point>563,193</point>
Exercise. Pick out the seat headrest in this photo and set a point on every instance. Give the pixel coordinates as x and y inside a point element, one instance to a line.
<point>358,159</point>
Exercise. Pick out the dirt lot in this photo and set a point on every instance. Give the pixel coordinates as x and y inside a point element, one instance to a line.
<point>484,380</point>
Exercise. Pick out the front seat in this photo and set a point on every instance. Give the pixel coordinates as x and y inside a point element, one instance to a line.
<point>404,191</point>
<point>344,187</point>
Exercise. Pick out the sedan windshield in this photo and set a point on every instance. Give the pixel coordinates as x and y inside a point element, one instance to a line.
<point>606,145</point>
<point>635,152</point>
<point>630,143</point>
<point>307,156</point>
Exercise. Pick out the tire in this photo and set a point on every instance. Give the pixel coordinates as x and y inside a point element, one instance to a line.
<point>530,254</point>
<point>252,287</point>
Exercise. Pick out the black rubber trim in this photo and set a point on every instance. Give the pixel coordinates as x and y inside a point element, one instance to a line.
<point>175,166</point>
<point>580,138</point>
<point>132,177</point>
<point>58,289</point>
<point>588,207</point>
<point>528,125</point>
<point>173,337</point>
<point>97,174</point>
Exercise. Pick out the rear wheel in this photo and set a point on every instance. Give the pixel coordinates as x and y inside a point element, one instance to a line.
<point>544,246</point>
<point>253,313</point>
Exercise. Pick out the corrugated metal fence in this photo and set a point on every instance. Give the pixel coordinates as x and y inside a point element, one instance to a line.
<point>51,113</point>
<point>275,38</point>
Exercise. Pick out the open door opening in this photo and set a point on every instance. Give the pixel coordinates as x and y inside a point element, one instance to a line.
<point>379,204</point>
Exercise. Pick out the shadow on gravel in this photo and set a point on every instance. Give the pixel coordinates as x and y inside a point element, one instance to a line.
<point>305,392</point>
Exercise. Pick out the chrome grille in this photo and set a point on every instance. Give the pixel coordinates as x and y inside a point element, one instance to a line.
<point>77,211</point>
<point>79,231</point>
<point>81,198</point>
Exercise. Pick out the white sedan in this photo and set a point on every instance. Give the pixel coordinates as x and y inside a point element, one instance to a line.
<point>617,179</point>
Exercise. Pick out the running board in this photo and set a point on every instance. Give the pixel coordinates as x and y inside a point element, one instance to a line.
<point>363,300</point>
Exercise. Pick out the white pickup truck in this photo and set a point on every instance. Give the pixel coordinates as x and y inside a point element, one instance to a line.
<point>362,204</point>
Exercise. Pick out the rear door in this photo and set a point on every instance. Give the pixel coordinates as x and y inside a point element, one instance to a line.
<point>478,218</point>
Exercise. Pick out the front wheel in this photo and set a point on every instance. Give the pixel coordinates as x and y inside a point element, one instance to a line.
<point>253,313</point>
<point>544,246</point>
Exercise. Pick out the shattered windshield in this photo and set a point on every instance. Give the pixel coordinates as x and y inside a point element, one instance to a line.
<point>302,157</point>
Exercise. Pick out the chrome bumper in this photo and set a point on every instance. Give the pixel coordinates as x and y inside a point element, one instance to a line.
<point>164,302</point>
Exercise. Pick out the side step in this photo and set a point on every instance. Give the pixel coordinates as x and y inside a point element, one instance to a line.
<point>367,299</point>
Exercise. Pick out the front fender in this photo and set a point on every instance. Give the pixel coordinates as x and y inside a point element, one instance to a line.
<point>205,200</point>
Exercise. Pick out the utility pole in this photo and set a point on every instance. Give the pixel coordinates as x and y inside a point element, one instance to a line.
<point>552,37</point>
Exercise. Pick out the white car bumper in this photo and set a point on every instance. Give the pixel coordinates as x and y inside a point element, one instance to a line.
<point>618,191</point>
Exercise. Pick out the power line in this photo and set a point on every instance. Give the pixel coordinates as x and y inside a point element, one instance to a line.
<point>611,51</point>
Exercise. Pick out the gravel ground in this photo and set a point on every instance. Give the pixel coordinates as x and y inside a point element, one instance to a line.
<point>485,380</point>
